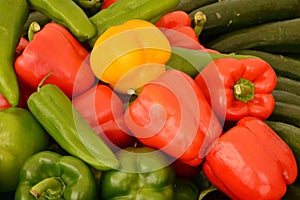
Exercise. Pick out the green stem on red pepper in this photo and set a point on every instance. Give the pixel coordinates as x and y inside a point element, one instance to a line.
<point>243,90</point>
<point>199,20</point>
<point>33,28</point>
<point>50,188</point>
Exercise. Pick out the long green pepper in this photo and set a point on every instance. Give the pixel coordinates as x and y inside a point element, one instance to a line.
<point>55,112</point>
<point>12,19</point>
<point>68,14</point>
<point>124,10</point>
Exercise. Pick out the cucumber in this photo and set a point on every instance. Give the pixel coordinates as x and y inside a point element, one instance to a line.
<point>288,113</point>
<point>190,5</point>
<point>287,84</point>
<point>229,15</point>
<point>286,97</point>
<point>276,37</point>
<point>290,135</point>
<point>124,10</point>
<point>283,65</point>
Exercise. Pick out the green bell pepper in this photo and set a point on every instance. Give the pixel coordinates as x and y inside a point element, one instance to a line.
<point>20,137</point>
<point>50,175</point>
<point>144,173</point>
<point>185,189</point>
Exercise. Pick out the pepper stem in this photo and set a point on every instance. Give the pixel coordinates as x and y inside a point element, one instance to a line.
<point>33,28</point>
<point>43,80</point>
<point>50,188</point>
<point>243,90</point>
<point>199,19</point>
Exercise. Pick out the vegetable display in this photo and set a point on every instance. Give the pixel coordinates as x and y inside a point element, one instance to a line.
<point>149,99</point>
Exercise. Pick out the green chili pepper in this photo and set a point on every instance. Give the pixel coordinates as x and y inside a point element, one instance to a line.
<point>49,175</point>
<point>192,61</point>
<point>68,14</point>
<point>20,137</point>
<point>12,19</point>
<point>56,113</point>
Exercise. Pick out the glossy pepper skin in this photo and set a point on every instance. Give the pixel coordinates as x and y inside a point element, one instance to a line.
<point>10,34</point>
<point>144,173</point>
<point>104,110</point>
<point>54,49</point>
<point>170,113</point>
<point>239,88</point>
<point>127,56</point>
<point>20,137</point>
<point>250,161</point>
<point>49,175</point>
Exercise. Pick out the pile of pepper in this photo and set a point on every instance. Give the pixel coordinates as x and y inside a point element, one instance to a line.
<point>132,109</point>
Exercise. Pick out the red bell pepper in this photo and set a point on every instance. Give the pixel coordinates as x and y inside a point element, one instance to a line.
<point>185,171</point>
<point>180,21</point>
<point>170,113</point>
<point>107,3</point>
<point>3,102</point>
<point>103,110</point>
<point>21,46</point>
<point>238,88</point>
<point>250,161</point>
<point>54,49</point>
<point>177,27</point>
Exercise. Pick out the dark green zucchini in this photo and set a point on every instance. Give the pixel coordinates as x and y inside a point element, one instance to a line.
<point>287,113</point>
<point>283,65</point>
<point>288,85</point>
<point>190,5</point>
<point>290,135</point>
<point>276,37</point>
<point>286,97</point>
<point>228,15</point>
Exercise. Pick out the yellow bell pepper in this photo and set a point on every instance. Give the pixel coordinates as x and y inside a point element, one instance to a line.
<point>129,55</point>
